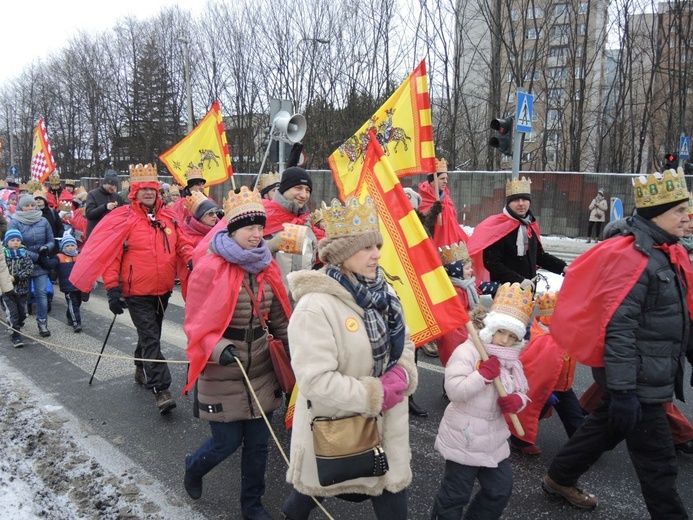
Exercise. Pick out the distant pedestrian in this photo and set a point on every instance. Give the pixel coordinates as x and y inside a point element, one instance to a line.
<point>102,200</point>
<point>73,296</point>
<point>598,208</point>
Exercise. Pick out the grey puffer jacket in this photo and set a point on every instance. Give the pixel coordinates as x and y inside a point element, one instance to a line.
<point>647,337</point>
<point>222,393</point>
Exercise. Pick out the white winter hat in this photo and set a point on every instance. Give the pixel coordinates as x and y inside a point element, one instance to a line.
<point>495,321</point>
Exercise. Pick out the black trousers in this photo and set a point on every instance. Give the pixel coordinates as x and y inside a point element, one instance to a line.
<point>651,451</point>
<point>74,302</point>
<point>15,309</point>
<point>589,229</point>
<point>147,313</point>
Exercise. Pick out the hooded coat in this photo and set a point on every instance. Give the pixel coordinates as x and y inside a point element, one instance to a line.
<point>332,358</point>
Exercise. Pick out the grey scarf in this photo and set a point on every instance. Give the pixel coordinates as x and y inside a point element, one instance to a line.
<point>28,217</point>
<point>468,285</point>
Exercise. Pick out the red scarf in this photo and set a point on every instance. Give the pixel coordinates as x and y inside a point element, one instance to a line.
<point>679,259</point>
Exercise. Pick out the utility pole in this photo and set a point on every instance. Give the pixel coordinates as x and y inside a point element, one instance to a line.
<point>298,44</point>
<point>188,92</point>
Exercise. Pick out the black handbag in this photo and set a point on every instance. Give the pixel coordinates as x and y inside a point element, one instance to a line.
<point>347,448</point>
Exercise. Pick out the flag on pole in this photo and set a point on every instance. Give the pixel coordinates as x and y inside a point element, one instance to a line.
<point>410,261</point>
<point>42,163</point>
<point>403,129</point>
<point>204,147</point>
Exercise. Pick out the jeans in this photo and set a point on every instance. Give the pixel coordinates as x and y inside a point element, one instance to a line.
<point>226,438</point>
<point>40,282</point>
<point>147,313</point>
<point>388,506</point>
<point>457,486</point>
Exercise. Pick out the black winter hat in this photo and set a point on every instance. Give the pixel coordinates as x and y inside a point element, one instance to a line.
<point>110,177</point>
<point>295,176</point>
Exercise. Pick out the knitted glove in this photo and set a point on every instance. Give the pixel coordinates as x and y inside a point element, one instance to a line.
<point>489,369</point>
<point>116,302</point>
<point>436,208</point>
<point>228,355</point>
<point>527,283</point>
<point>394,383</point>
<point>511,403</point>
<point>624,411</point>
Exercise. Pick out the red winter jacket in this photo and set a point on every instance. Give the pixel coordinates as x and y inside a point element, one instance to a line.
<point>146,264</point>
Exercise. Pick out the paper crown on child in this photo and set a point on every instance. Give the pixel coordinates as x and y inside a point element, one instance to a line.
<point>521,186</point>
<point>511,310</point>
<point>659,188</point>
<point>143,173</point>
<point>193,201</point>
<point>546,303</point>
<point>316,216</point>
<point>454,253</point>
<point>352,218</point>
<point>243,207</point>
<point>267,181</point>
<point>194,174</point>
<point>65,206</point>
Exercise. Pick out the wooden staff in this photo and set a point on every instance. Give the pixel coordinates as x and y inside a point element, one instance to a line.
<point>496,380</point>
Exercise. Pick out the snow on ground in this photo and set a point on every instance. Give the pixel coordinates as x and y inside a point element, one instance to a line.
<point>51,468</point>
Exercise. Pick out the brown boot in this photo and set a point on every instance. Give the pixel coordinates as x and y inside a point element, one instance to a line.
<point>164,401</point>
<point>572,494</point>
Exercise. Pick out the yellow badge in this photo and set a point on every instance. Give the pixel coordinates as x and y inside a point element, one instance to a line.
<point>168,231</point>
<point>352,325</point>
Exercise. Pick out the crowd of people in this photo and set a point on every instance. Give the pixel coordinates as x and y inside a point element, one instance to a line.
<point>309,284</point>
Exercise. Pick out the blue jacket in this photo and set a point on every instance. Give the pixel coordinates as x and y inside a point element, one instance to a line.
<point>64,269</point>
<point>34,237</point>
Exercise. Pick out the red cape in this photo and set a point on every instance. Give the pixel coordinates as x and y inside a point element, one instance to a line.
<point>208,313</point>
<point>278,216</point>
<point>448,342</point>
<point>487,233</point>
<point>447,229</point>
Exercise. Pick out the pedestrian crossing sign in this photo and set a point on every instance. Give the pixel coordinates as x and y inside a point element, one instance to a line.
<point>525,112</point>
<point>685,147</point>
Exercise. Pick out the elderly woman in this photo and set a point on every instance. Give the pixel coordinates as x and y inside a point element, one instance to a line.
<point>352,355</point>
<point>39,242</point>
<point>224,331</point>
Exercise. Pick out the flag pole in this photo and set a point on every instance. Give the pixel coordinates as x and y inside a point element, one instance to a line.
<point>496,380</point>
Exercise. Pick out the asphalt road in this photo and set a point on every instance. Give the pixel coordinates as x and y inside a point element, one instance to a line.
<point>117,409</point>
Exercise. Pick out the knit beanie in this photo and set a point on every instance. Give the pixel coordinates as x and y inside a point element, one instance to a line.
<point>654,211</point>
<point>66,240</point>
<point>10,234</point>
<point>110,177</point>
<point>244,207</point>
<point>335,250</point>
<point>25,200</point>
<point>204,207</point>
<point>295,176</point>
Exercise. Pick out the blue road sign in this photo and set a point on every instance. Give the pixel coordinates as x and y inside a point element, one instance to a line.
<point>616,208</point>
<point>685,147</point>
<point>524,113</point>
<point>14,170</point>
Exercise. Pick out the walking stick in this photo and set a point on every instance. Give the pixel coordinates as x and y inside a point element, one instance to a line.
<point>496,380</point>
<point>102,348</point>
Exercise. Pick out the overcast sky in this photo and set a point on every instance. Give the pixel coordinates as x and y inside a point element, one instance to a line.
<point>33,29</point>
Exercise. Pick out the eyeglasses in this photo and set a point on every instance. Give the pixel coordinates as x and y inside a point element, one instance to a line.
<point>210,213</point>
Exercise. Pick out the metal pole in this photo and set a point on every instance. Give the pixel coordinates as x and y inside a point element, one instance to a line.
<point>517,142</point>
<point>102,348</point>
<point>271,132</point>
<point>12,163</point>
<point>188,92</point>
<point>296,94</point>
<point>680,165</point>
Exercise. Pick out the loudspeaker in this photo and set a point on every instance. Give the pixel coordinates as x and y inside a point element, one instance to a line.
<point>293,128</point>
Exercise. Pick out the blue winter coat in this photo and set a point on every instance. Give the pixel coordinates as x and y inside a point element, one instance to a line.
<point>34,237</point>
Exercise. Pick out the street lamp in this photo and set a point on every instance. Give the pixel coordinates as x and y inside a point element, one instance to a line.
<point>186,51</point>
<point>298,44</point>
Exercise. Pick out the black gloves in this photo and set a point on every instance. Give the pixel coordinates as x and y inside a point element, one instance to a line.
<point>227,355</point>
<point>436,208</point>
<point>220,214</point>
<point>190,265</point>
<point>116,302</point>
<point>624,411</point>
<point>43,251</point>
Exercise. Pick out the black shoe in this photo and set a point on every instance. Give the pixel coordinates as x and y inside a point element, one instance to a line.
<point>415,409</point>
<point>164,401</point>
<point>43,328</point>
<point>192,485</point>
<point>139,376</point>
<point>77,327</point>
<point>17,340</point>
<point>685,447</point>
<point>262,515</point>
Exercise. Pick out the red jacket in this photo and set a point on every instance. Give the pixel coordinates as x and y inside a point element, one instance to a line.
<point>146,264</point>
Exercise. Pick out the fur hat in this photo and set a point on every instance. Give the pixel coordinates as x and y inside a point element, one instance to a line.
<point>25,200</point>
<point>110,177</point>
<point>511,310</point>
<point>10,234</point>
<point>295,176</point>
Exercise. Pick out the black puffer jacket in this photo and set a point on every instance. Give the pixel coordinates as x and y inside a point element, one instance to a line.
<point>96,206</point>
<point>647,337</point>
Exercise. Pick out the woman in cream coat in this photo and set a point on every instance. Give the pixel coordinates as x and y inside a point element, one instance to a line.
<point>345,371</point>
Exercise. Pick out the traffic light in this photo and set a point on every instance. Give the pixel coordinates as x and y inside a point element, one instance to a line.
<point>671,161</point>
<point>504,140</point>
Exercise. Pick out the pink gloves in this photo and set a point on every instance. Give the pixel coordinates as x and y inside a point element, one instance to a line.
<point>394,383</point>
<point>511,403</point>
<point>490,368</point>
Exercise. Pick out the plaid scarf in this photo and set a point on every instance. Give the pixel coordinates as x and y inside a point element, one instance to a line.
<point>383,316</point>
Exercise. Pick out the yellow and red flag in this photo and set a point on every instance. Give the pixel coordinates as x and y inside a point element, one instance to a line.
<point>205,147</point>
<point>410,261</point>
<point>42,163</point>
<point>403,129</point>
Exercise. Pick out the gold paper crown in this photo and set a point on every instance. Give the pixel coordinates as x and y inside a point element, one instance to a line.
<point>245,202</point>
<point>454,253</point>
<point>194,173</point>
<point>143,173</point>
<point>659,188</point>
<point>292,238</point>
<point>514,301</point>
<point>353,218</point>
<point>125,184</point>
<point>22,187</point>
<point>176,189</point>
<point>40,192</point>
<point>33,186</point>
<point>80,194</point>
<point>518,186</point>
<point>442,165</point>
<point>54,178</point>
<point>193,201</point>
<point>690,204</point>
<point>69,182</point>
<point>65,206</point>
<point>268,179</point>
<point>546,303</point>
<point>316,216</point>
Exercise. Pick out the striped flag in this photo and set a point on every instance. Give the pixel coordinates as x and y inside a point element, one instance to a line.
<point>42,163</point>
<point>403,128</point>
<point>409,260</point>
<point>204,147</point>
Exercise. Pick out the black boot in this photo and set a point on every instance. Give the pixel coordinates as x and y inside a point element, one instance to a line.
<point>43,328</point>
<point>415,409</point>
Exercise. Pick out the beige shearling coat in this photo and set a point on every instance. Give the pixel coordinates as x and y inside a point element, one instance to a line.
<point>332,358</point>
<point>598,209</point>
